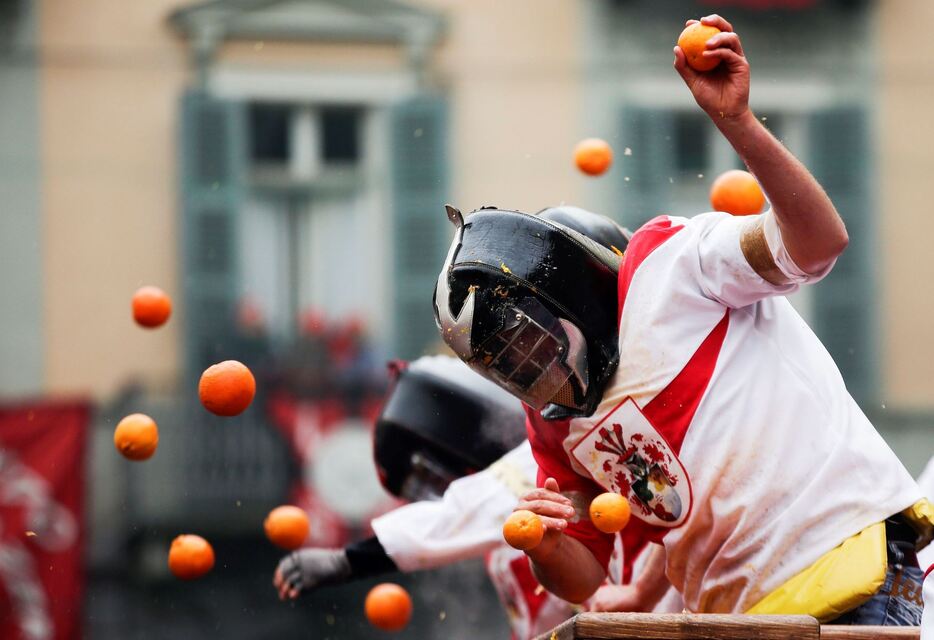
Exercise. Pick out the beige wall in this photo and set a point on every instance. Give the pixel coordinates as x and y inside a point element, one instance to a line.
<point>513,73</point>
<point>110,79</point>
<point>111,74</point>
<point>905,137</point>
<point>304,55</point>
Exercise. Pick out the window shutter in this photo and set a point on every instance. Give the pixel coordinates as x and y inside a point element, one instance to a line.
<point>212,146</point>
<point>421,230</point>
<point>217,467</point>
<point>649,133</point>
<point>839,159</point>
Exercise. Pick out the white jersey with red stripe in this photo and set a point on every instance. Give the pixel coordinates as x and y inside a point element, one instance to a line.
<point>727,423</point>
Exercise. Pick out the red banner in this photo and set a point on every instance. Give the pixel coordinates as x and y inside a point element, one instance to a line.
<point>42,454</point>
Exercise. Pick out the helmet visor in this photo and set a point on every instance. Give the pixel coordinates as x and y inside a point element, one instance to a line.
<point>528,357</point>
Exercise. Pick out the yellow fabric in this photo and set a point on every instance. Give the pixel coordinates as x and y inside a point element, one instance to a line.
<point>846,576</point>
<point>841,579</point>
<point>921,517</point>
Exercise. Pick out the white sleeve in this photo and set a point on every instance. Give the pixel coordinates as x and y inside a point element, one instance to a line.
<point>726,245</point>
<point>465,523</point>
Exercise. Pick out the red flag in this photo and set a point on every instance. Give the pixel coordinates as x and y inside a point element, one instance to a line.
<point>42,453</point>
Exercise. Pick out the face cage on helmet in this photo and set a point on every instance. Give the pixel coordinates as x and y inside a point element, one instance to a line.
<point>427,479</point>
<point>530,355</point>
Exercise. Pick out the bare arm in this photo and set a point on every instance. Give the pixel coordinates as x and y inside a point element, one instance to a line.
<point>561,564</point>
<point>643,594</point>
<point>812,231</point>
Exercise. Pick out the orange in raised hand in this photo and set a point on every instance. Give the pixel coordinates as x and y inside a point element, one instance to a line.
<point>151,307</point>
<point>190,557</point>
<point>610,512</point>
<point>523,530</point>
<point>227,388</point>
<point>388,607</point>
<point>287,527</point>
<point>737,192</point>
<point>593,156</point>
<point>136,437</point>
<point>693,41</point>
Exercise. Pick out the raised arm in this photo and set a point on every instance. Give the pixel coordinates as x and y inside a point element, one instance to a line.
<point>811,230</point>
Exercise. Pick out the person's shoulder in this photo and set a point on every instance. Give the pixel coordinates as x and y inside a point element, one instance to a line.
<point>651,235</point>
<point>658,224</point>
<point>663,227</point>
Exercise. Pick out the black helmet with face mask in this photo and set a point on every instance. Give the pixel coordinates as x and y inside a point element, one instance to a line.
<point>441,421</point>
<point>530,302</point>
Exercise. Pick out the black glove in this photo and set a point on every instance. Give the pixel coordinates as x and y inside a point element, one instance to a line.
<point>308,569</point>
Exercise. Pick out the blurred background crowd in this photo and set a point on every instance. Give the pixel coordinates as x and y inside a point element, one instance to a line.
<point>279,168</point>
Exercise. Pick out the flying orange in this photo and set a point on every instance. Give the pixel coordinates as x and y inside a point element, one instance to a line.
<point>610,512</point>
<point>227,388</point>
<point>287,527</point>
<point>190,557</point>
<point>593,156</point>
<point>151,307</point>
<point>136,437</point>
<point>388,607</point>
<point>737,192</point>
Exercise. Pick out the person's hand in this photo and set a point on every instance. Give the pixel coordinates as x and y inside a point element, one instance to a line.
<point>615,597</point>
<point>553,508</point>
<point>722,92</point>
<point>308,569</point>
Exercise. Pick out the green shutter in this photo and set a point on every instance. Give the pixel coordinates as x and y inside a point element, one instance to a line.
<point>421,231</point>
<point>649,133</point>
<point>843,303</point>
<point>212,166</point>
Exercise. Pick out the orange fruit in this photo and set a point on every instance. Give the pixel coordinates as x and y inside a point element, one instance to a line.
<point>287,527</point>
<point>523,530</point>
<point>136,437</point>
<point>190,557</point>
<point>593,156</point>
<point>227,388</point>
<point>610,512</point>
<point>737,192</point>
<point>693,41</point>
<point>388,607</point>
<point>151,307</point>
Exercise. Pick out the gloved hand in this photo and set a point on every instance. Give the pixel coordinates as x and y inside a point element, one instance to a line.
<point>308,569</point>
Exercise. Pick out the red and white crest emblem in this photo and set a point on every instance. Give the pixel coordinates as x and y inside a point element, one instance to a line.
<point>626,454</point>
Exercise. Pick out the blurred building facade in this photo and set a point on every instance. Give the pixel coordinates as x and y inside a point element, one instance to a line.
<point>278,164</point>
<point>291,155</point>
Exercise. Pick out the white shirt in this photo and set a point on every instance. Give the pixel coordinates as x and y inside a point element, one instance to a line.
<point>764,461</point>
<point>468,523</point>
<point>465,523</point>
<point>926,482</point>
